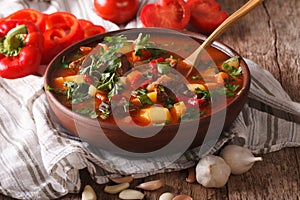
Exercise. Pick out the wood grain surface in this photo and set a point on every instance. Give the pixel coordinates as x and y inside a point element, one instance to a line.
<point>270,36</point>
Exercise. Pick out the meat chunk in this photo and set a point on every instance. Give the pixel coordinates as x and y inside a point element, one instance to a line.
<point>125,65</point>
<point>77,64</point>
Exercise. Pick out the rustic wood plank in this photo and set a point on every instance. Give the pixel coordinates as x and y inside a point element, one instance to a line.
<point>285,22</point>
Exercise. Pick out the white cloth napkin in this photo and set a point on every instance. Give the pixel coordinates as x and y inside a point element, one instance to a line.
<point>39,160</point>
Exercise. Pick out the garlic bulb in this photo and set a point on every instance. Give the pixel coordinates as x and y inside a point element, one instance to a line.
<point>212,171</point>
<point>240,159</point>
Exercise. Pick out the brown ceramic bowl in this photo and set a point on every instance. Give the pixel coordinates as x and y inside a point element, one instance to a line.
<point>173,137</point>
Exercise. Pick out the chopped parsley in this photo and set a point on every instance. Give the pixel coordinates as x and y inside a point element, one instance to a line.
<point>236,72</point>
<point>204,94</point>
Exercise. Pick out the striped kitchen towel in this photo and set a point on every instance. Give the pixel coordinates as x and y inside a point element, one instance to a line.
<point>40,160</point>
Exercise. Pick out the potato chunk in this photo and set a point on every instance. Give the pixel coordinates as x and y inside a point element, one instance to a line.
<point>154,114</point>
<point>75,78</point>
<point>178,110</point>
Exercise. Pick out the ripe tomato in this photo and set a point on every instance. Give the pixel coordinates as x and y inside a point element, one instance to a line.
<point>62,30</point>
<point>206,15</point>
<point>117,11</point>
<point>173,14</point>
<point>32,15</point>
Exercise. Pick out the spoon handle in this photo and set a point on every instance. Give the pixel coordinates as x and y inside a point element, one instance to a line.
<point>245,9</point>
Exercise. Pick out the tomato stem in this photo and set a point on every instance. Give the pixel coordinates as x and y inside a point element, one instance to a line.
<point>13,42</point>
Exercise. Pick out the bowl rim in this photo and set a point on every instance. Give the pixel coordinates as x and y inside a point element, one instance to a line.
<point>87,120</point>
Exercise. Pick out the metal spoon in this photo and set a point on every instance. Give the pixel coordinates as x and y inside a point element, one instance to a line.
<point>245,9</point>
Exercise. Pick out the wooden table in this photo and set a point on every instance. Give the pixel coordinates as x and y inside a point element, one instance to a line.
<point>270,36</point>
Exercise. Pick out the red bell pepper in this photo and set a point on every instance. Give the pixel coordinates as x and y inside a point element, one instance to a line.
<point>62,30</point>
<point>21,43</point>
<point>35,16</point>
<point>90,29</point>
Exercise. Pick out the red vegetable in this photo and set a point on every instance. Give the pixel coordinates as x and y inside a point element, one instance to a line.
<point>117,11</point>
<point>90,29</point>
<point>32,15</point>
<point>62,30</point>
<point>206,15</point>
<point>173,14</point>
<point>21,43</point>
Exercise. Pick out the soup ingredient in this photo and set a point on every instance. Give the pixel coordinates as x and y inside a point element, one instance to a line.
<point>182,197</point>
<point>212,171</point>
<point>62,30</point>
<point>166,196</point>
<point>125,179</point>
<point>145,81</point>
<point>206,15</point>
<point>21,43</point>
<point>131,194</point>
<point>88,193</point>
<point>115,189</point>
<point>154,114</point>
<point>35,16</point>
<point>151,185</point>
<point>191,175</point>
<point>117,11</point>
<point>240,159</point>
<point>90,29</point>
<point>174,14</point>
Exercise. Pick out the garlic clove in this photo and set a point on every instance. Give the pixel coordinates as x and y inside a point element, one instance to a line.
<point>125,179</point>
<point>151,185</point>
<point>166,196</point>
<point>114,189</point>
<point>182,197</point>
<point>240,159</point>
<point>131,194</point>
<point>88,193</point>
<point>212,171</point>
<point>191,175</point>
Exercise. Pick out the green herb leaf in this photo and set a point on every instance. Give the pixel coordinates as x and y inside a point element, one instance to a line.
<point>164,68</point>
<point>145,100</point>
<point>49,88</point>
<point>236,72</point>
<point>162,123</point>
<point>88,112</point>
<point>139,92</point>
<point>228,64</point>
<point>191,114</point>
<point>204,94</point>
<point>232,87</point>
<point>116,41</point>
<point>196,77</point>
<point>118,87</point>
<point>142,43</point>
<point>76,93</point>
<point>105,113</point>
